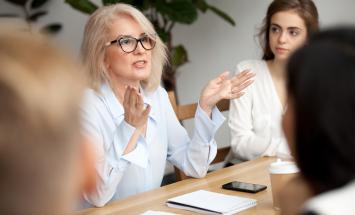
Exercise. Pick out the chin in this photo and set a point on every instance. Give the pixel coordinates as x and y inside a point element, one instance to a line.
<point>142,74</point>
<point>281,57</point>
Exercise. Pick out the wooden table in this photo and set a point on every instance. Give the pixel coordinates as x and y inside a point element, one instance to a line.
<point>255,171</point>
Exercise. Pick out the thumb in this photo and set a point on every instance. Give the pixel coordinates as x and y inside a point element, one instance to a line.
<point>223,76</point>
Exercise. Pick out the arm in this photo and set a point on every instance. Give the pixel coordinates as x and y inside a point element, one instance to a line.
<point>192,156</point>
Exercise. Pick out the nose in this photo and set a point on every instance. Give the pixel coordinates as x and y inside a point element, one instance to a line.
<point>282,38</point>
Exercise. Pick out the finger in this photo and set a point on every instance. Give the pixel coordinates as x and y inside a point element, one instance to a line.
<point>244,74</point>
<point>140,102</point>
<point>132,99</point>
<point>223,76</point>
<point>241,87</point>
<point>126,97</point>
<point>238,79</point>
<point>220,78</point>
<point>237,95</point>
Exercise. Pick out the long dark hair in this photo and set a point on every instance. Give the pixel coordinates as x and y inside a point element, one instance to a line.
<point>321,84</point>
<point>306,9</point>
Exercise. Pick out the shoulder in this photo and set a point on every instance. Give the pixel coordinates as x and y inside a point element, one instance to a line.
<point>257,66</point>
<point>92,100</point>
<point>91,96</point>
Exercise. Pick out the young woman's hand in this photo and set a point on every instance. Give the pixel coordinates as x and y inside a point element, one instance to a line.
<point>224,88</point>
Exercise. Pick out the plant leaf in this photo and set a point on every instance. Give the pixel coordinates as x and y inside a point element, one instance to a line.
<point>201,5</point>
<point>8,15</point>
<point>108,2</point>
<point>38,3</point>
<point>84,6</point>
<point>178,56</point>
<point>164,36</point>
<point>51,28</point>
<point>36,15</point>
<point>182,11</point>
<point>222,14</point>
<point>140,4</point>
<point>18,2</point>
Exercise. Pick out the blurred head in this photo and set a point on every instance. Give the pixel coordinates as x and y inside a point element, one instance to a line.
<point>107,51</point>
<point>320,120</point>
<point>40,156</point>
<point>287,25</point>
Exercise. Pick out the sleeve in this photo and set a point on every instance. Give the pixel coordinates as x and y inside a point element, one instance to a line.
<point>251,136</point>
<point>111,163</point>
<point>194,155</point>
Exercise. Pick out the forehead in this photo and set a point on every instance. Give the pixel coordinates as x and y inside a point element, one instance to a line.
<point>288,19</point>
<point>125,25</point>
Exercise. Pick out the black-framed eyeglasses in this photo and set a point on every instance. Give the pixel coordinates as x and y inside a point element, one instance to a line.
<point>128,44</point>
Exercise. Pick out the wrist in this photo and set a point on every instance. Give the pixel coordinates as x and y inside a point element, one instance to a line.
<point>207,109</point>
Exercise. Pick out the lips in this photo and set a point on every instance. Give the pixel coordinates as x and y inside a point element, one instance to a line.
<point>139,63</point>
<point>279,49</point>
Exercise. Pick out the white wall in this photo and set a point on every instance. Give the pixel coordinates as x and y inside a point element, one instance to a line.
<point>213,45</point>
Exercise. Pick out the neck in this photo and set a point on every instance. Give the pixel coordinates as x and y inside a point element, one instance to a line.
<point>277,68</point>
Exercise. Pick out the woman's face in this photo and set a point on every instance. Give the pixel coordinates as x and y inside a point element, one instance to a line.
<point>128,68</point>
<point>287,33</point>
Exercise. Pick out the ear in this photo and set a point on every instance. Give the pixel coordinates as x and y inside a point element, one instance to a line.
<point>88,165</point>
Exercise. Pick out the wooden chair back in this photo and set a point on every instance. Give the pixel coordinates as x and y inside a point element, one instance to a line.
<point>187,111</point>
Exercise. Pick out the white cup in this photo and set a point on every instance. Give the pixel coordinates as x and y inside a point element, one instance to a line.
<point>280,173</point>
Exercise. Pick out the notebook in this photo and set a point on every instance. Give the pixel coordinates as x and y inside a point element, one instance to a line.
<point>150,212</point>
<point>207,202</point>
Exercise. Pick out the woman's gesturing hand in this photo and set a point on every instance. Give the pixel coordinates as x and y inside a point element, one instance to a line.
<point>224,88</point>
<point>135,113</point>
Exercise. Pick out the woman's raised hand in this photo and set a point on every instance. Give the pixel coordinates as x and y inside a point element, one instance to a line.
<point>224,88</point>
<point>135,113</point>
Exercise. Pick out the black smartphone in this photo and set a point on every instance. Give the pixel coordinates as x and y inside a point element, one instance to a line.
<point>244,187</point>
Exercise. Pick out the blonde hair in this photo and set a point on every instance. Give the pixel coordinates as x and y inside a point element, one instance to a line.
<point>40,91</point>
<point>96,36</point>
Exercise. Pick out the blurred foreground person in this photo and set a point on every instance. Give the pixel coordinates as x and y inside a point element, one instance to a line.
<point>43,158</point>
<point>319,125</point>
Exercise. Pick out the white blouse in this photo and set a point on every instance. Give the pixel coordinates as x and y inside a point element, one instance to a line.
<point>255,118</point>
<point>142,169</point>
<point>333,202</point>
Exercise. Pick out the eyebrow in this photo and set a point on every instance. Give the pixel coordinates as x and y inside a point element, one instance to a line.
<point>128,35</point>
<point>288,28</point>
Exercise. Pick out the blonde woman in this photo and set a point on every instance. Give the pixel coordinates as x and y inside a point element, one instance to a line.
<point>128,114</point>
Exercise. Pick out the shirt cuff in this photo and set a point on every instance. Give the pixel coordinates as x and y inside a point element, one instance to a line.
<point>139,156</point>
<point>205,127</point>
<point>121,139</point>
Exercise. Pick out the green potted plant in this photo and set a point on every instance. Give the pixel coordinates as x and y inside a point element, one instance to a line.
<point>164,14</point>
<point>32,11</point>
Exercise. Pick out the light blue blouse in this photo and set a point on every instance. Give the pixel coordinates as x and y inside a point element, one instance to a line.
<point>142,169</point>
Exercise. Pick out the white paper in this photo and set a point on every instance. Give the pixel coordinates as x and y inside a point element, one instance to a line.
<point>208,202</point>
<point>157,213</point>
